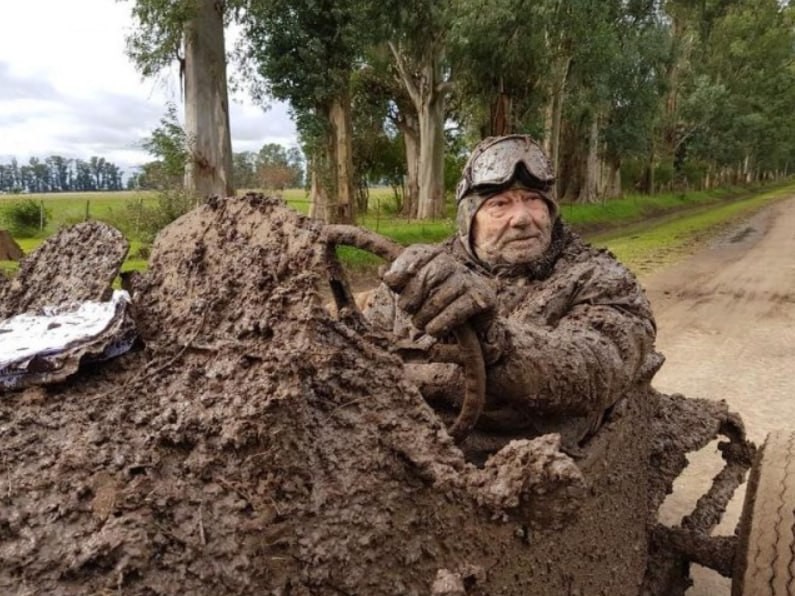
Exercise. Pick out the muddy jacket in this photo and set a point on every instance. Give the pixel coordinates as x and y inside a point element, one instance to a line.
<point>570,340</point>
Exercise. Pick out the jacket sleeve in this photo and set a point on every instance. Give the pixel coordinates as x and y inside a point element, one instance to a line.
<point>586,359</point>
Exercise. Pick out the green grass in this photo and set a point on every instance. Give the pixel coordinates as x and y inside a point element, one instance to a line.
<point>638,207</point>
<point>71,207</point>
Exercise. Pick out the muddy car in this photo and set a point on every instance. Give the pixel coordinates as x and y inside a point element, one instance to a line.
<point>247,440</point>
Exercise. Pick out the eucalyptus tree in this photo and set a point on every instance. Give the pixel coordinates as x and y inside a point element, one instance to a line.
<point>636,86</point>
<point>386,127</point>
<point>305,52</point>
<point>616,83</point>
<point>59,171</point>
<point>191,32</point>
<point>500,63</point>
<point>373,147</point>
<point>418,41</point>
<point>752,55</point>
<point>546,66</point>
<point>692,91</point>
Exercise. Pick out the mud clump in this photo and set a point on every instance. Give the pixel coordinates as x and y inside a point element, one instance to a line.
<point>76,267</point>
<point>255,445</point>
<point>9,249</point>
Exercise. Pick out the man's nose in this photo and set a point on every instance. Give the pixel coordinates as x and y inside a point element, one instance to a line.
<point>520,215</point>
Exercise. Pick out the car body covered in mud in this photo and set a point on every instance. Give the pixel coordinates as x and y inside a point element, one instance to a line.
<point>253,443</point>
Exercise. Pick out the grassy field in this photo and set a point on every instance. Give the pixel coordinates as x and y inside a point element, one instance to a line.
<point>641,221</point>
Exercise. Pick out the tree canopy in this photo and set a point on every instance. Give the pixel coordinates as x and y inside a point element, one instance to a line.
<point>641,94</point>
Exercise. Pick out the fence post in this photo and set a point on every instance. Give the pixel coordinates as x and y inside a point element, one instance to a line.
<point>88,209</point>
<point>41,214</point>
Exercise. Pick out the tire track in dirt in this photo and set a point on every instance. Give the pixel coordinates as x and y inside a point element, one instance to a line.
<point>726,324</point>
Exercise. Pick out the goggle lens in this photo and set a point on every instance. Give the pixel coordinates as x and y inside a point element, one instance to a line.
<point>496,164</point>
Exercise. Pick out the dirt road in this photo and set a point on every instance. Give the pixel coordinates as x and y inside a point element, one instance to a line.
<point>726,323</point>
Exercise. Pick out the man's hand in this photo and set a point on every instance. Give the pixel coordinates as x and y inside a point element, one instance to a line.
<point>439,292</point>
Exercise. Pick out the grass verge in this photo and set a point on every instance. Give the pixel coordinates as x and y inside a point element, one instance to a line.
<point>656,244</point>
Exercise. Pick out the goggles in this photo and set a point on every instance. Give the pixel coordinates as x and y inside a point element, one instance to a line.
<point>497,162</point>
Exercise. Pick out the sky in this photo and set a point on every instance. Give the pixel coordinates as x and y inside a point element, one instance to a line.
<point>67,87</point>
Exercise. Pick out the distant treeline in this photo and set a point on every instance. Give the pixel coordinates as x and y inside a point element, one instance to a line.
<point>60,174</point>
<point>273,167</point>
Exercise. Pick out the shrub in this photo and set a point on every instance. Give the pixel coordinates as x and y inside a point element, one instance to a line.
<point>663,176</point>
<point>144,222</point>
<point>25,219</point>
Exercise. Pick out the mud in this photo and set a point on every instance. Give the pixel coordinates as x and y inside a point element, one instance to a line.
<point>9,249</point>
<point>255,445</point>
<point>680,426</point>
<point>75,267</point>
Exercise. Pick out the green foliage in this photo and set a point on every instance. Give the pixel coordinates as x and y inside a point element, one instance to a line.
<point>663,174</point>
<point>25,219</point>
<point>378,151</point>
<point>454,159</point>
<point>156,40</point>
<point>58,174</point>
<point>304,52</point>
<point>168,144</point>
<point>143,220</point>
<point>688,87</point>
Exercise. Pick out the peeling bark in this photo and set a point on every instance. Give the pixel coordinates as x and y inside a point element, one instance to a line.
<point>591,188</point>
<point>340,117</point>
<point>409,126</point>
<point>427,91</point>
<point>209,168</point>
<point>431,165</point>
<point>332,195</point>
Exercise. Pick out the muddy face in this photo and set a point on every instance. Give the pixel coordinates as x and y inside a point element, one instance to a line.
<point>513,227</point>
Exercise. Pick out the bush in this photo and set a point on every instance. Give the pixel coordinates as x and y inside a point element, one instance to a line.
<point>144,222</point>
<point>663,176</point>
<point>25,219</point>
<point>694,172</point>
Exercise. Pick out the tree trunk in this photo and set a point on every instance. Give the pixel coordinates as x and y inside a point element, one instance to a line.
<point>431,166</point>
<point>500,121</point>
<point>318,198</point>
<point>553,114</point>
<point>423,82</point>
<point>341,130</point>
<point>331,194</point>
<point>410,129</point>
<point>647,181</point>
<point>209,168</point>
<point>590,189</point>
<point>613,188</point>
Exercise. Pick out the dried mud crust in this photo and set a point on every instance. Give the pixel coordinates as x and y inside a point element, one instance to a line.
<point>680,426</point>
<point>76,264</point>
<point>257,446</point>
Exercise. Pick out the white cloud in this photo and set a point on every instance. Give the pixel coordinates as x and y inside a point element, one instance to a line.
<point>68,88</point>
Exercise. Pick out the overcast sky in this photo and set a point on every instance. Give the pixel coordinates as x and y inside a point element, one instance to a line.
<point>67,87</point>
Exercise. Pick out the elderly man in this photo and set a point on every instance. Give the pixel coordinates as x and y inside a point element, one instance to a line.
<point>566,330</point>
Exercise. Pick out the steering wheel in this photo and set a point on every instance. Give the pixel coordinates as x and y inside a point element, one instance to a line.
<point>469,354</point>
